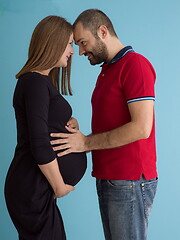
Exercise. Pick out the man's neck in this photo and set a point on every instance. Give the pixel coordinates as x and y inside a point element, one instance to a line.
<point>113,48</point>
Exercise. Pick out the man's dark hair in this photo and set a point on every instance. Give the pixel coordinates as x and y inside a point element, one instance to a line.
<point>92,19</point>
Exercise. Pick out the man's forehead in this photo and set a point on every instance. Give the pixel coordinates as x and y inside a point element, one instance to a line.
<point>80,33</point>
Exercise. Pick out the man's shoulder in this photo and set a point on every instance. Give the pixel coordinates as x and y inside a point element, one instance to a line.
<point>136,59</point>
<point>134,56</point>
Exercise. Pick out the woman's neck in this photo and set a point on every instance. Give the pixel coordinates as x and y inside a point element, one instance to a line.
<point>43,72</point>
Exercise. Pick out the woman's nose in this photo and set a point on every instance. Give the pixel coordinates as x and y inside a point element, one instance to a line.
<point>72,51</point>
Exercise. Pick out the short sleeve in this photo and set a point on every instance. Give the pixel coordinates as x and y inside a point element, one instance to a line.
<point>37,98</point>
<point>138,79</point>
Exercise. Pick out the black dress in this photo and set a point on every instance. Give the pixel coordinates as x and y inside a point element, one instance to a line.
<point>39,109</point>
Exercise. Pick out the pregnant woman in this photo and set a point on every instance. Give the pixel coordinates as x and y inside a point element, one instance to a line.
<point>36,176</point>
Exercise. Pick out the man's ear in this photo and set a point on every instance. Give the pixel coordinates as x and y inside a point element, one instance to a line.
<point>102,32</point>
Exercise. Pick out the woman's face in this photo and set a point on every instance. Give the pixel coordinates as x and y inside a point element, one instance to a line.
<point>67,53</point>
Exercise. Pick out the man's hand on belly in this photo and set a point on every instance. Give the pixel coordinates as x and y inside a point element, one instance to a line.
<point>69,142</point>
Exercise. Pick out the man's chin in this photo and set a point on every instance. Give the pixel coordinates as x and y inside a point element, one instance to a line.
<point>94,62</point>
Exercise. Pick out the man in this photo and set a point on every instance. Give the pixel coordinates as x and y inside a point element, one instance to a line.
<point>123,132</point>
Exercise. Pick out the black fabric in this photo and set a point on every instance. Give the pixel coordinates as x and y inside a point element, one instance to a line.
<point>39,109</point>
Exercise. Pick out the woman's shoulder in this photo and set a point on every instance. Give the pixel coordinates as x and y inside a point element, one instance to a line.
<point>30,76</point>
<point>33,79</point>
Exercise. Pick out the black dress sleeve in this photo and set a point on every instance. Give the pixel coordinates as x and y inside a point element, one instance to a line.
<point>37,99</point>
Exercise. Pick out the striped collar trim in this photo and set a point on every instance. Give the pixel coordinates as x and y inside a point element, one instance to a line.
<point>121,54</point>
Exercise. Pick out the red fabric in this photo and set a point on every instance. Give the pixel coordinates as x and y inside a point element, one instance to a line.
<point>131,77</point>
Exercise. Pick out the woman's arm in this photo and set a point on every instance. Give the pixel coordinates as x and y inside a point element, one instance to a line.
<point>37,99</point>
<point>53,175</point>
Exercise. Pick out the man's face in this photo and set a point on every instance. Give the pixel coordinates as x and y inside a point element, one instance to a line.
<point>93,48</point>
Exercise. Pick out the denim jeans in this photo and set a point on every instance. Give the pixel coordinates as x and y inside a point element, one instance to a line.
<point>125,206</point>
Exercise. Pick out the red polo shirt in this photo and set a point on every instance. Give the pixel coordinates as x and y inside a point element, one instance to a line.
<point>127,78</point>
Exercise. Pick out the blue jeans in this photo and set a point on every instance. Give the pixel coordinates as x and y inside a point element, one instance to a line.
<point>125,206</point>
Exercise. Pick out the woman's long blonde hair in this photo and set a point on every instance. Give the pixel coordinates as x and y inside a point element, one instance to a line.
<point>48,43</point>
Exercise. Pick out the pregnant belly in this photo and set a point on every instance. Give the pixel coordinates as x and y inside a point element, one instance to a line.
<point>72,167</point>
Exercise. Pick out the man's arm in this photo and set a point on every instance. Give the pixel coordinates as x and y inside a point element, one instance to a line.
<point>138,128</point>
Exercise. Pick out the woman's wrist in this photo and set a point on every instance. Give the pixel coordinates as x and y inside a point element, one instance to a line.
<point>59,188</point>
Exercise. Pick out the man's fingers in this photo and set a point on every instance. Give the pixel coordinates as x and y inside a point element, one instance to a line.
<point>59,135</point>
<point>64,152</point>
<point>64,135</point>
<point>61,147</point>
<point>59,141</point>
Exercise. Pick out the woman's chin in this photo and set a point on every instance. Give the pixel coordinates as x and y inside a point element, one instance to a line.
<point>62,65</point>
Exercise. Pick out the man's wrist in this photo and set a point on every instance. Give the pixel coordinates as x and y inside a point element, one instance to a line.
<point>88,143</point>
<point>97,141</point>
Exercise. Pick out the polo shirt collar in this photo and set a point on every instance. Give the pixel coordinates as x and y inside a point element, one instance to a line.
<point>121,53</point>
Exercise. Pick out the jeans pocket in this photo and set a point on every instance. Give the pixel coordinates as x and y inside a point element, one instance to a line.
<point>120,183</point>
<point>148,192</point>
<point>120,191</point>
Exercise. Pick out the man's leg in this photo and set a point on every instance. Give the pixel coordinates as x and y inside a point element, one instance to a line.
<point>116,201</point>
<point>124,207</point>
<point>145,193</point>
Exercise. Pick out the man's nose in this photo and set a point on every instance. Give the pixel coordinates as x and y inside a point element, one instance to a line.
<point>81,51</point>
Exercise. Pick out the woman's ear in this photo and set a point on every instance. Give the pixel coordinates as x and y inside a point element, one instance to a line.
<point>102,32</point>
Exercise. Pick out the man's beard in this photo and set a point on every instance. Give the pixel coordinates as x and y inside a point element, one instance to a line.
<point>98,54</point>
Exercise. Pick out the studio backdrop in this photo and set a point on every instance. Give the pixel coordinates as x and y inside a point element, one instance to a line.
<point>152,28</point>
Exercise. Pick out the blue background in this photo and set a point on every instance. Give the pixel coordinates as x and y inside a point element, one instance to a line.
<point>152,28</point>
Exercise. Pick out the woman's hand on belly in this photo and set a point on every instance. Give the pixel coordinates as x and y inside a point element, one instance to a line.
<point>73,123</point>
<point>53,175</point>
<point>63,190</point>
